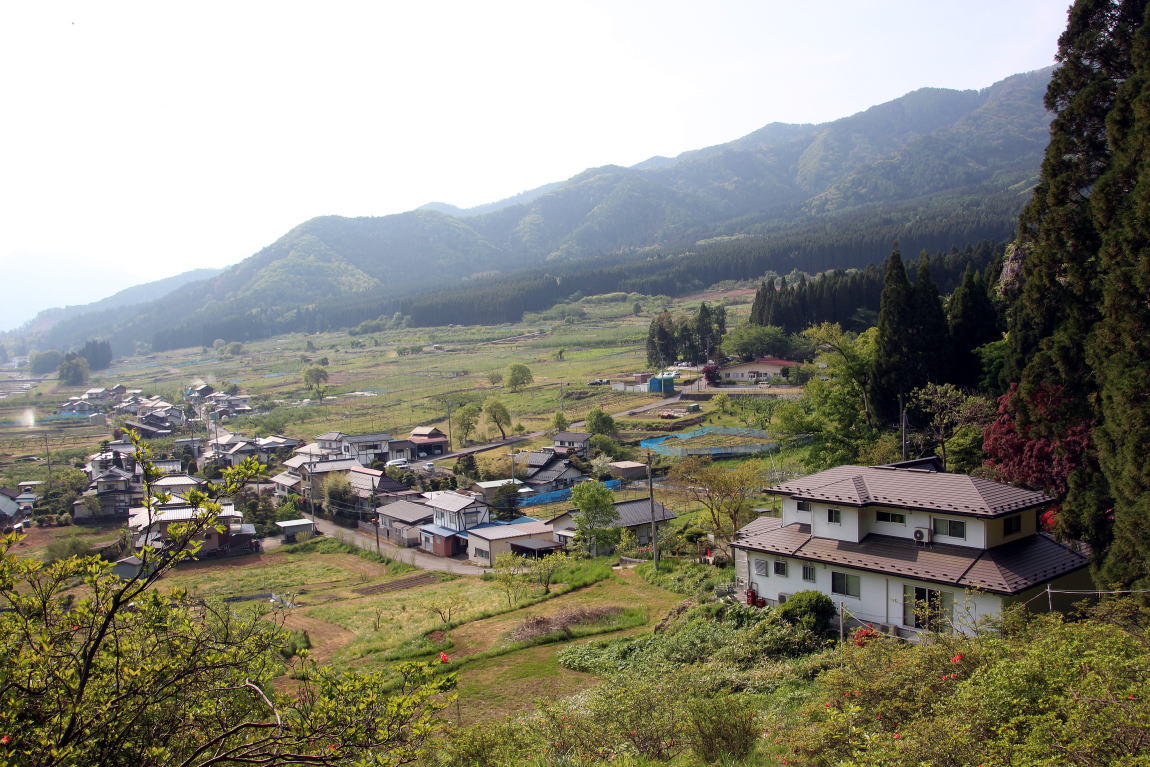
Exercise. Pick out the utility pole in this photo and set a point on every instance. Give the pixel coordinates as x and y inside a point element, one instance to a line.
<point>902,425</point>
<point>450,444</point>
<point>48,454</point>
<point>654,526</point>
<point>375,515</point>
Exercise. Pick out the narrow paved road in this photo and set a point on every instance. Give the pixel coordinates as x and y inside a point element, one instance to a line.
<point>410,556</point>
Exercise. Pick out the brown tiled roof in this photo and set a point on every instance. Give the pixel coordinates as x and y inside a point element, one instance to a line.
<point>1006,569</point>
<point>1022,564</point>
<point>912,489</point>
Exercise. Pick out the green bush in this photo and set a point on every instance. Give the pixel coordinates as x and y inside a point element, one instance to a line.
<point>722,728</point>
<point>685,577</point>
<point>813,610</point>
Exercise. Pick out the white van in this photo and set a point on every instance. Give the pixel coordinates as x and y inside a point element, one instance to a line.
<point>399,463</point>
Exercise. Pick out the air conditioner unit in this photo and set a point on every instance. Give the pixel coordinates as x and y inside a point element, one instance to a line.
<point>783,597</point>
<point>923,534</point>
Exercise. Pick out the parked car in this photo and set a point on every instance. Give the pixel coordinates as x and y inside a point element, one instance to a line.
<point>429,466</point>
<point>401,463</point>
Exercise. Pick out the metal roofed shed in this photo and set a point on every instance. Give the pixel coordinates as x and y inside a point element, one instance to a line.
<point>295,527</point>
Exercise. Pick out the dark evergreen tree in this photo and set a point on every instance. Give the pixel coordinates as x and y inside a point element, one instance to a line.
<point>661,340</point>
<point>1119,347</point>
<point>1061,273</point>
<point>973,322</point>
<point>930,336</point>
<point>895,354</point>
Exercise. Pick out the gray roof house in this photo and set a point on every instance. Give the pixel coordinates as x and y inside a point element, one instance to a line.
<point>634,514</point>
<point>908,549</point>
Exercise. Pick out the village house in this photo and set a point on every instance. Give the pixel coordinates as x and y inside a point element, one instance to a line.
<point>399,522</point>
<point>489,487</point>
<point>546,470</point>
<point>454,515</point>
<point>632,515</point>
<point>907,549</point>
<point>525,536</point>
<point>77,406</point>
<point>8,506</point>
<point>115,489</point>
<point>756,370</point>
<point>572,442</point>
<point>151,527</point>
<point>429,441</point>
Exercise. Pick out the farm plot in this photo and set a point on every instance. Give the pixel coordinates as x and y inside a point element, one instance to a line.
<point>275,571</point>
<point>383,623</point>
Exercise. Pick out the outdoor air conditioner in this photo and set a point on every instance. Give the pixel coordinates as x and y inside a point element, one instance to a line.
<point>783,597</point>
<point>923,534</point>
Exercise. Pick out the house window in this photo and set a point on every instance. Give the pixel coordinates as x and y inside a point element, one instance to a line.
<point>845,584</point>
<point>809,573</point>
<point>760,567</point>
<point>834,516</point>
<point>482,553</point>
<point>803,505</point>
<point>1012,525</point>
<point>780,568</point>
<point>890,516</point>
<point>951,528</point>
<point>926,608</point>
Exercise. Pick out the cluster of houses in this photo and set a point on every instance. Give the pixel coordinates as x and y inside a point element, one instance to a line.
<point>452,523</point>
<point>17,503</point>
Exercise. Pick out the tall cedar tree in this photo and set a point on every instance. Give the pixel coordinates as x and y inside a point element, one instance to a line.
<point>931,335</point>
<point>895,347</point>
<point>973,322</point>
<point>1119,347</point>
<point>1060,302</point>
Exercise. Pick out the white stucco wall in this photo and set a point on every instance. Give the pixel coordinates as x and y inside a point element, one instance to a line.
<point>880,596</point>
<point>858,523</point>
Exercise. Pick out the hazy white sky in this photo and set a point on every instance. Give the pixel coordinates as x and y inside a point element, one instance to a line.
<point>142,139</point>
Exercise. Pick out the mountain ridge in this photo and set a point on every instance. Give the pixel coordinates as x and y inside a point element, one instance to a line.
<point>969,146</point>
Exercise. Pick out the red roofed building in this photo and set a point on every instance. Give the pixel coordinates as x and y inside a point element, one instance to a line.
<point>907,548</point>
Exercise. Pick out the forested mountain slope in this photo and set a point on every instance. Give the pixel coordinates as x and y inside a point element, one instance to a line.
<point>956,164</point>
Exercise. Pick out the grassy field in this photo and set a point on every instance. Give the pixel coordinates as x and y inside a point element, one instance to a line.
<point>38,540</point>
<point>501,672</point>
<point>372,386</point>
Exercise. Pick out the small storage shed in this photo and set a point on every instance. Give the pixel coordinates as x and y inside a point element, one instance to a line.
<point>295,527</point>
<point>661,384</point>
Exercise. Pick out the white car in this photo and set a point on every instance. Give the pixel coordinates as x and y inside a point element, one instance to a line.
<point>401,463</point>
<point>429,466</point>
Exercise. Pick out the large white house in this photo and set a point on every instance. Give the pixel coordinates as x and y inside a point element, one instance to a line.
<point>907,548</point>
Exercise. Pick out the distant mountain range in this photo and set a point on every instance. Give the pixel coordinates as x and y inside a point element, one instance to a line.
<point>910,164</point>
<point>136,295</point>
